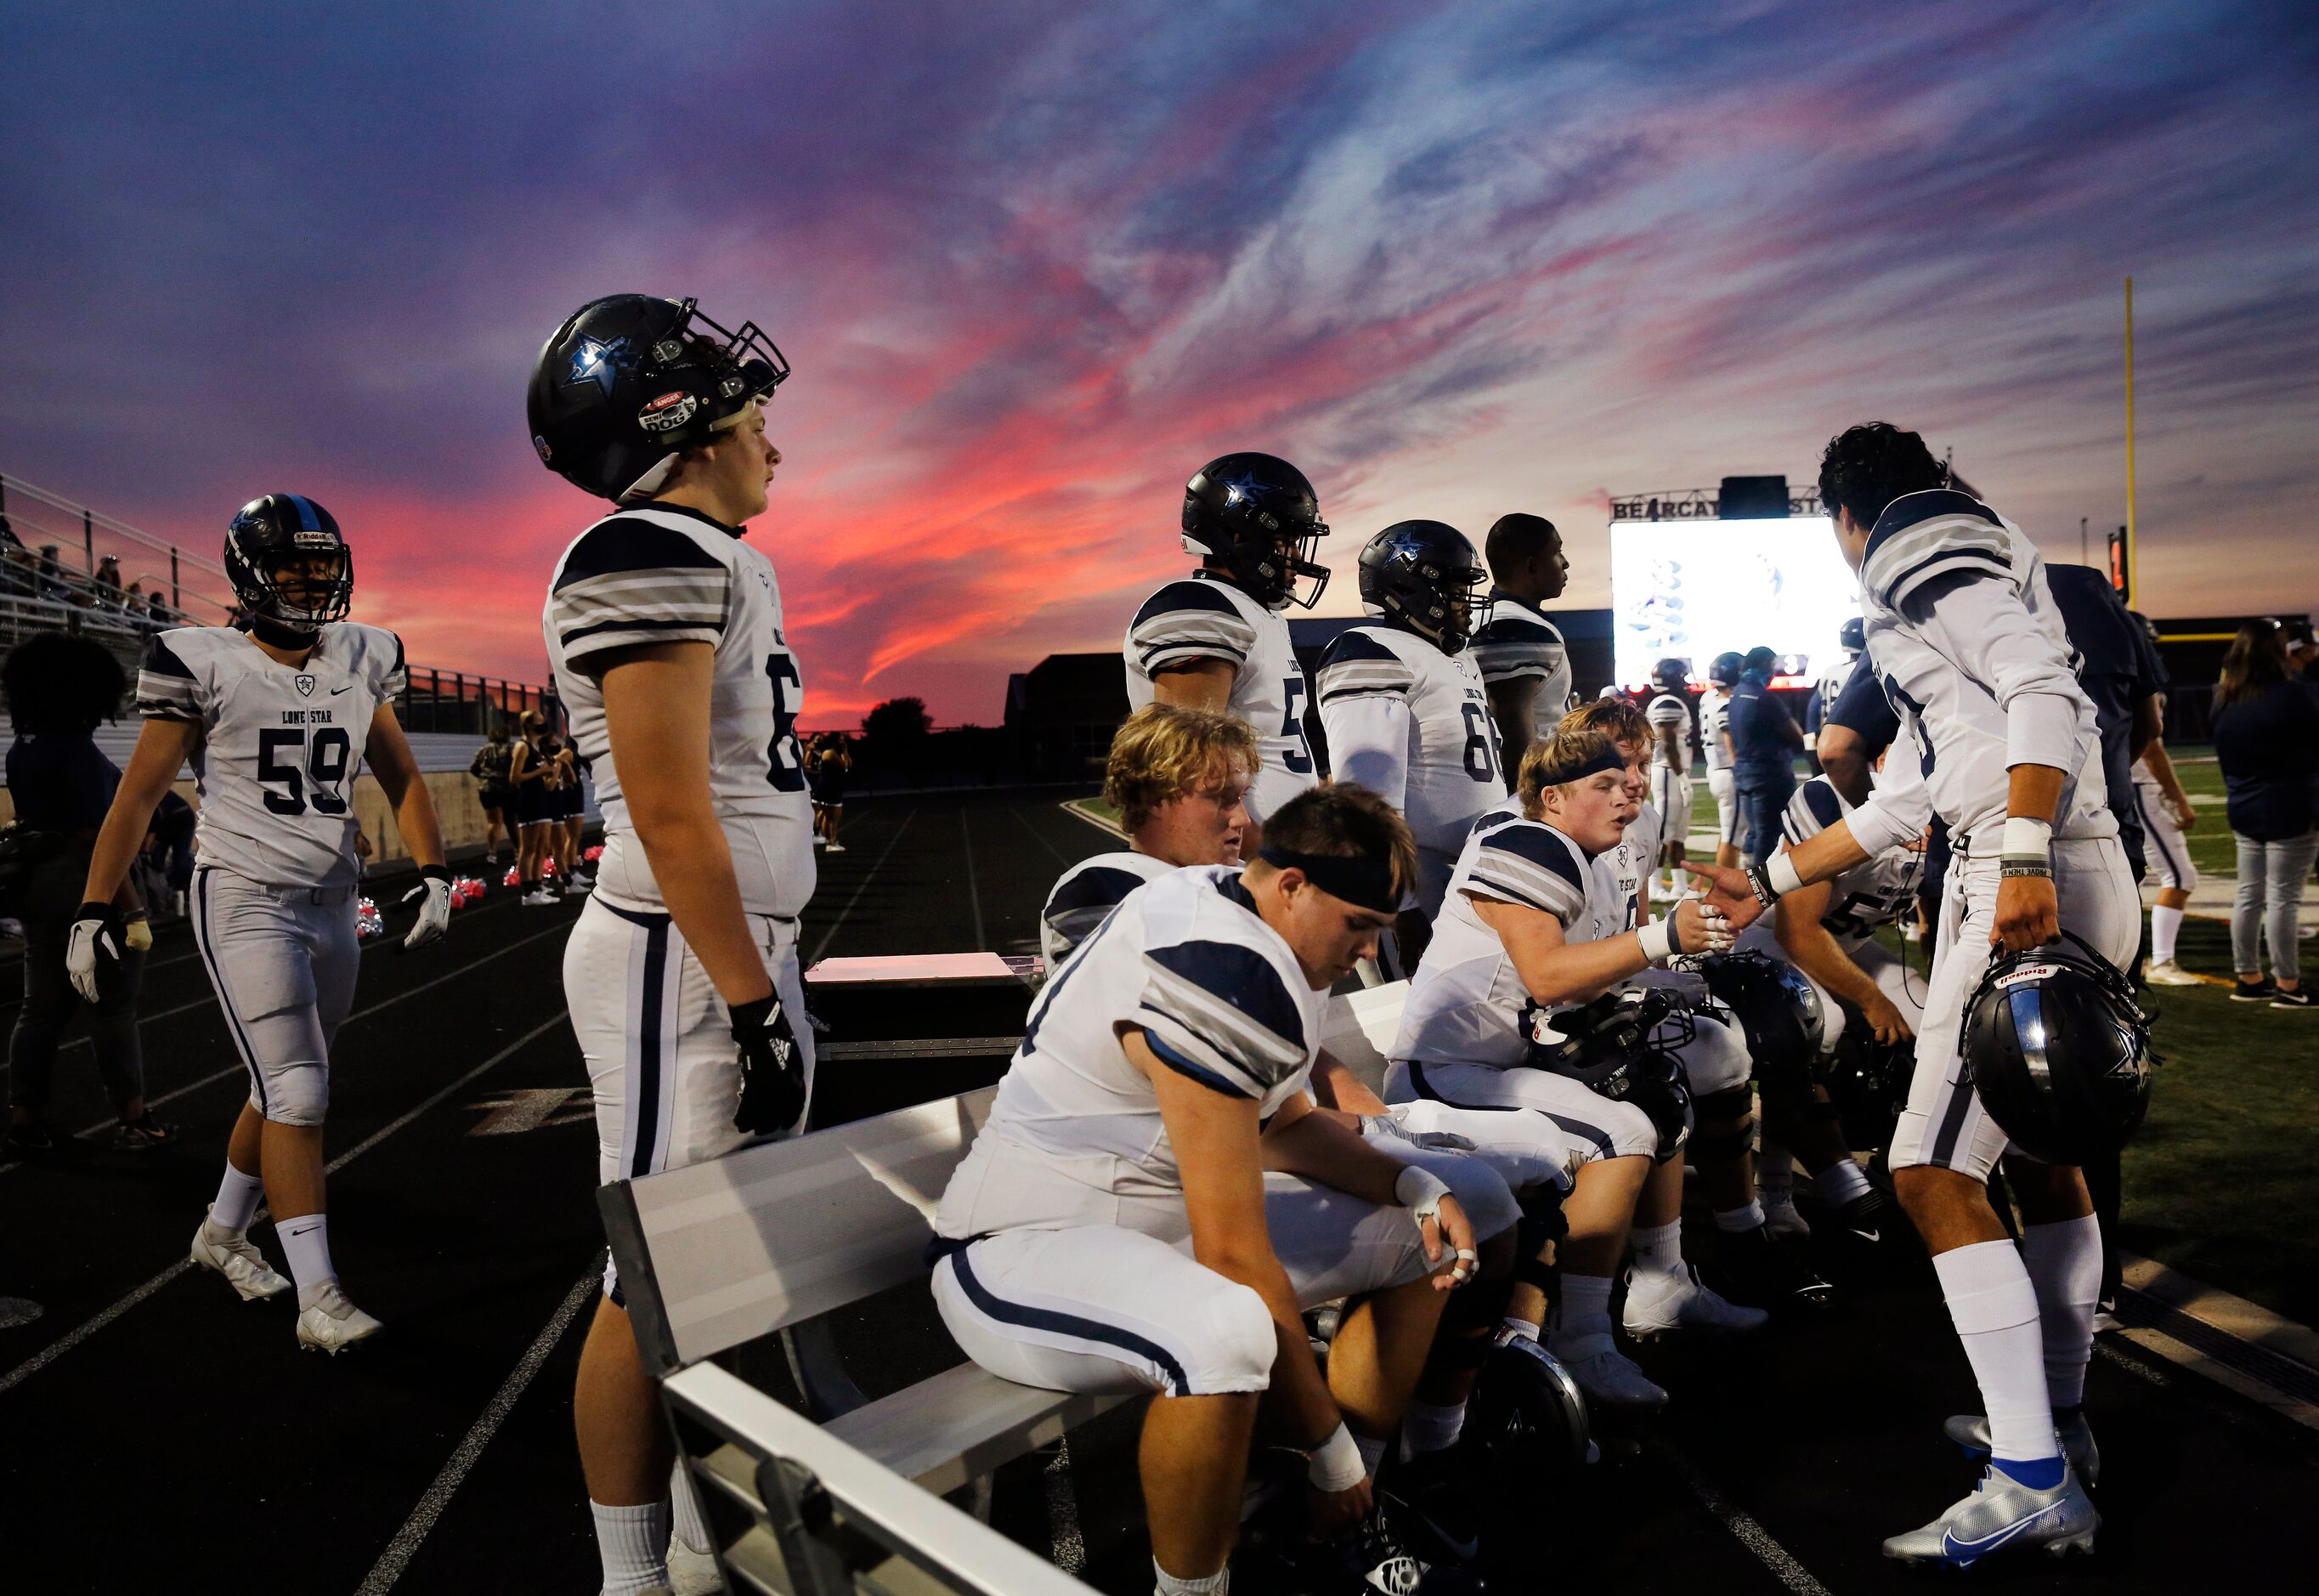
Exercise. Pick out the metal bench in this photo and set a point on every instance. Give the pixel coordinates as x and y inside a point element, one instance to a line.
<point>767,1241</point>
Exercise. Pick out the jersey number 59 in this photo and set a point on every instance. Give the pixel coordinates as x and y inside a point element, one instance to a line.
<point>318,783</point>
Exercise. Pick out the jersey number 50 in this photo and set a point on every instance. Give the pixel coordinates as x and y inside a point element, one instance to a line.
<point>325,769</point>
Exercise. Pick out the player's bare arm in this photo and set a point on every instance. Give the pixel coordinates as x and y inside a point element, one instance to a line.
<point>1323,1149</point>
<point>2028,909</point>
<point>656,709</point>
<point>1556,970</point>
<point>2161,764</point>
<point>1512,701</point>
<point>1810,948</point>
<point>1197,684</point>
<point>388,754</point>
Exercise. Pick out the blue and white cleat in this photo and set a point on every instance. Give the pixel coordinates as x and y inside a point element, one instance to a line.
<point>1971,1431</point>
<point>2003,1515</point>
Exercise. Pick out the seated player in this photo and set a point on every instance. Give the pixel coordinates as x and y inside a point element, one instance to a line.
<point>1402,703</point>
<point>1154,1202</point>
<point>1718,1070</point>
<point>1828,931</point>
<point>1668,711</point>
<point>1522,936</point>
<point>1180,779</point>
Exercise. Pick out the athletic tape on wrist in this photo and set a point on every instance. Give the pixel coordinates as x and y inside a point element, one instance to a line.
<point>1335,1465</point>
<point>1420,1191</point>
<point>1780,872</point>
<point>2026,838</point>
<point>1657,941</point>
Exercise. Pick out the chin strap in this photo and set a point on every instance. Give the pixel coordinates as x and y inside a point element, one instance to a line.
<point>266,629</point>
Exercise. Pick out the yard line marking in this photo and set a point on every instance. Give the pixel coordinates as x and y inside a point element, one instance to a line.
<point>407,1540</point>
<point>973,898</point>
<point>1744,1528</point>
<point>1077,808</point>
<point>74,1336</point>
<point>815,957</point>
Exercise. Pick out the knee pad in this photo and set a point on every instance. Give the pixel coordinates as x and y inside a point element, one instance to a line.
<point>1237,1352</point>
<point>1734,1107</point>
<point>297,1094</point>
<point>1716,1060</point>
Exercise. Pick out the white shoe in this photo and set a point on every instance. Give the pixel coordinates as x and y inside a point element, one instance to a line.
<point>2165,972</point>
<point>1911,934</point>
<point>333,1324</point>
<point>1658,1303</point>
<point>1783,1220</point>
<point>1610,1379</point>
<point>244,1268</point>
<point>2002,1514</point>
<point>581,881</point>
<point>836,847</point>
<point>691,1572</point>
<point>539,898</point>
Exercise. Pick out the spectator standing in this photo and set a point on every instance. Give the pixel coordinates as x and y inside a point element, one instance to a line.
<point>60,688</point>
<point>1765,739</point>
<point>169,848</point>
<point>2266,741</point>
<point>494,790</point>
<point>831,761</point>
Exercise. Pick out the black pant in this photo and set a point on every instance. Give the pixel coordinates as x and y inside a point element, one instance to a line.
<point>51,898</point>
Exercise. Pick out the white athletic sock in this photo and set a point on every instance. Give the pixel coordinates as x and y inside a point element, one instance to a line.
<point>1995,1310</point>
<point>1429,1427</point>
<point>1511,1326</point>
<point>2165,927</point>
<point>1586,1313</point>
<point>633,1542</point>
<point>1658,1246</point>
<point>1734,1221</point>
<point>307,1240</point>
<point>1215,1584</point>
<point>692,1528</point>
<point>1842,1181</point>
<point>1775,1170</point>
<point>236,1200</point>
<point>2064,1261</point>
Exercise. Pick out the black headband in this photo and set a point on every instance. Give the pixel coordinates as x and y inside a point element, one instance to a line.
<point>1364,883</point>
<point>1609,759</point>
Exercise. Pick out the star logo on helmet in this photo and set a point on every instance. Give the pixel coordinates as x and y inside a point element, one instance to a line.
<point>601,363</point>
<point>1242,490</point>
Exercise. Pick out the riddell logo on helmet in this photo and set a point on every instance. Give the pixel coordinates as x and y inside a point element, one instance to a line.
<point>668,412</point>
<point>2029,972</point>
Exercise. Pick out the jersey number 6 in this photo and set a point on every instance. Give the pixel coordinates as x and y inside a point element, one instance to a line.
<point>326,764</point>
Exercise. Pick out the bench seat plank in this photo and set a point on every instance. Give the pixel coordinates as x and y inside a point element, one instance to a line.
<point>963,1423</point>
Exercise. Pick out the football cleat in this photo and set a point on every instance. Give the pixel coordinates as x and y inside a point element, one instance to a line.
<point>1767,1274</point>
<point>1610,1379</point>
<point>1433,1502</point>
<point>1372,1559</point>
<point>691,1572</point>
<point>244,1268</point>
<point>1658,1303</point>
<point>1971,1431</point>
<point>2002,1515</point>
<point>334,1324</point>
<point>1784,1223</point>
<point>2165,972</point>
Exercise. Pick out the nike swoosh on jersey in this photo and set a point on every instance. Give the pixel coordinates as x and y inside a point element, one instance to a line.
<point>1970,1550</point>
<point>336,690</point>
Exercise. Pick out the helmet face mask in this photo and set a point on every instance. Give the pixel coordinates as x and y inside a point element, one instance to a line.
<point>2058,1050</point>
<point>630,382</point>
<point>1625,1046</point>
<point>275,543</point>
<point>1255,517</point>
<point>1423,576</point>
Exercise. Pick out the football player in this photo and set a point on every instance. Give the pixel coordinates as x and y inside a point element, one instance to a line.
<point>2166,813</point>
<point>278,721</point>
<point>664,629</point>
<point>1403,703</point>
<point>1217,639</point>
<point>1832,682</point>
<point>1965,637</point>
<point>1154,1201</point>
<point>1524,665</point>
<point>1668,711</point>
<point>1525,936</point>
<point>1715,745</point>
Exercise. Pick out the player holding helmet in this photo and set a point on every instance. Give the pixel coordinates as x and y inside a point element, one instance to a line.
<point>1668,710</point>
<point>664,629</point>
<point>278,721</point>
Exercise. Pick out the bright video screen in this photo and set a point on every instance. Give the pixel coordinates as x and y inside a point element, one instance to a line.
<point>1692,590</point>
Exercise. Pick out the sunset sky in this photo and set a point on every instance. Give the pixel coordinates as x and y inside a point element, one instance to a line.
<point>1033,264</point>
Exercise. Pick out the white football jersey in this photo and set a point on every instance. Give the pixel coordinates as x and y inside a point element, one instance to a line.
<point>1873,893</point>
<point>1620,871</point>
<point>281,744</point>
<point>1972,655</point>
<point>1466,1002</point>
<point>662,573</point>
<point>1831,686</point>
<point>1076,1127</point>
<point>1084,896</point>
<point>1516,641</point>
<point>1413,724</point>
<point>1714,725</point>
<point>1670,718</point>
<point>1202,617</point>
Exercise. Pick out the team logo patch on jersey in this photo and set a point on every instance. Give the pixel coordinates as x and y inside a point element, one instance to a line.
<point>305,685</point>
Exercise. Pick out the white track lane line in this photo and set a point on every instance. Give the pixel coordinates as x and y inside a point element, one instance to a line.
<point>973,898</point>
<point>1037,836</point>
<point>1743,1526</point>
<point>464,1457</point>
<point>81,1332</point>
<point>814,958</point>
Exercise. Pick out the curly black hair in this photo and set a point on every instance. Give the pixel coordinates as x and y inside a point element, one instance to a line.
<point>57,682</point>
<point>1868,467</point>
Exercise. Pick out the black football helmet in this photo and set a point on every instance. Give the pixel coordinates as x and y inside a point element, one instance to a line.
<point>1423,576</point>
<point>628,382</point>
<point>1867,1083</point>
<point>266,532</point>
<point>1725,669</point>
<point>1624,1045</point>
<point>2059,1050</point>
<point>1528,1418</point>
<point>1672,676</point>
<point>1779,1012</point>
<point>1257,517</point>
<point>1853,636</point>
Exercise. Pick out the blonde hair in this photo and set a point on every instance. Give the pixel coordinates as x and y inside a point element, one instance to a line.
<point>1620,719</point>
<point>1166,751</point>
<point>1551,762</point>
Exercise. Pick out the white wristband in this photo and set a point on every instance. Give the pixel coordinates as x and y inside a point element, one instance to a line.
<point>1335,1465</point>
<point>2028,838</point>
<point>1420,1191</point>
<point>1657,940</point>
<point>1780,872</point>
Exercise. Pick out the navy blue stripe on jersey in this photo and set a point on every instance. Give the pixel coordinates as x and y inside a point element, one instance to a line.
<point>643,1086</point>
<point>1358,644</point>
<point>205,942</point>
<point>162,659</point>
<point>1187,594</point>
<point>1191,1069</point>
<point>631,543</point>
<point>1101,887</point>
<point>1970,563</point>
<point>1819,795</point>
<point>1234,889</point>
<point>1540,847</point>
<point>1066,1324</point>
<point>1911,510</point>
<point>397,666</point>
<point>1240,978</point>
<point>663,626</point>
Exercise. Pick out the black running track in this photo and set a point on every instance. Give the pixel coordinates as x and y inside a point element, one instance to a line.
<point>157,1433</point>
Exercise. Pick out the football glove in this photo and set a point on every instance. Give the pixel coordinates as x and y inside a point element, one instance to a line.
<point>434,912</point>
<point>772,1074</point>
<point>92,944</point>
